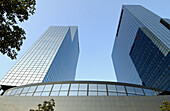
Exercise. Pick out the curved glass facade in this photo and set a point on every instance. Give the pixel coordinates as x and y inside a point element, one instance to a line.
<point>82,88</point>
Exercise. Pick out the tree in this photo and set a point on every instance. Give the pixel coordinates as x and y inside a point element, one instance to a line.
<point>11,35</point>
<point>47,106</point>
<point>165,106</point>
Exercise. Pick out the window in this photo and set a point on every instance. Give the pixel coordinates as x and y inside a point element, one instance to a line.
<point>19,91</point>
<point>120,89</point>
<point>25,90</point>
<point>65,86</point>
<point>92,93</point>
<point>139,91</point>
<point>63,93</point>
<point>45,93</point>
<point>22,94</point>
<point>37,94</point>
<point>111,88</point>
<point>48,88</point>
<point>112,94</point>
<point>13,92</point>
<point>102,93</point>
<point>56,87</point>
<point>130,90</point>
<point>148,92</point>
<point>74,86</point>
<point>73,93</point>
<point>54,93</point>
<point>32,88</point>
<point>122,94</point>
<point>101,87</point>
<point>82,93</point>
<point>93,87</point>
<point>40,88</point>
<point>131,95</point>
<point>29,94</point>
<point>83,87</point>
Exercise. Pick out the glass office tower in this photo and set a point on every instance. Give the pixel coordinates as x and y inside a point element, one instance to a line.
<point>141,49</point>
<point>53,57</point>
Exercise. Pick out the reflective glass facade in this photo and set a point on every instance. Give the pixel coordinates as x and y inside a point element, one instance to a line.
<point>135,69</point>
<point>82,88</point>
<point>151,59</point>
<point>53,57</point>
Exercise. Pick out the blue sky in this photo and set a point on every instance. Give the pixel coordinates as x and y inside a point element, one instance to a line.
<point>97,22</point>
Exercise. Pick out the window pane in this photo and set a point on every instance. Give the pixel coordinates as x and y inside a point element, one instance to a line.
<point>92,93</point>
<point>130,90</point>
<point>101,87</point>
<point>65,86</point>
<point>25,90</point>
<point>74,86</point>
<point>32,88</point>
<point>45,93</point>
<point>19,91</point>
<point>112,94</point>
<point>155,93</point>
<point>63,93</point>
<point>131,95</point>
<point>37,94</point>
<point>5,93</point>
<point>40,88</point>
<point>22,94</point>
<point>13,92</point>
<point>73,93</point>
<point>54,93</point>
<point>120,89</point>
<point>93,87</point>
<point>8,93</point>
<point>148,92</point>
<point>82,93</point>
<point>56,87</point>
<point>122,94</point>
<point>29,94</point>
<point>102,93</point>
<point>111,88</point>
<point>83,87</point>
<point>139,91</point>
<point>48,88</point>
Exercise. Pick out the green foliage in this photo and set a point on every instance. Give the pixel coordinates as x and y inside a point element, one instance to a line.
<point>11,35</point>
<point>166,106</point>
<point>47,106</point>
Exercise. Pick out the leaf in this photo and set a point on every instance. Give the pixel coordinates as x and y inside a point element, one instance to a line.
<point>12,35</point>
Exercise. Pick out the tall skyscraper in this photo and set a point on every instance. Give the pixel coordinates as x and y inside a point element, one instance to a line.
<point>52,62</point>
<point>53,57</point>
<point>141,49</point>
